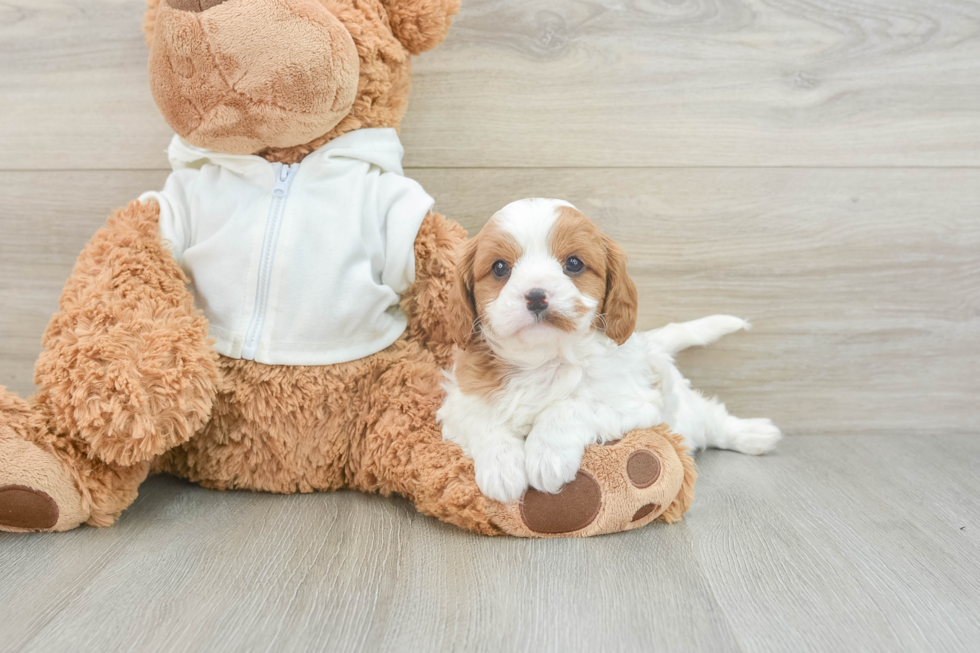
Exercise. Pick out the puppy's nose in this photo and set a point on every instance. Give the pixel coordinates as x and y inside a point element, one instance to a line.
<point>536,300</point>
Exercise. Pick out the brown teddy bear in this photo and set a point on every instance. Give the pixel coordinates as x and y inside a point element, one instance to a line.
<point>273,318</point>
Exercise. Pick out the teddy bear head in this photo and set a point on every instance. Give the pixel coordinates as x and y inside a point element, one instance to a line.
<point>280,78</point>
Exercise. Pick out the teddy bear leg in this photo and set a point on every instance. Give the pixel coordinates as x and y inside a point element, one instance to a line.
<point>47,482</point>
<point>127,373</point>
<point>647,475</point>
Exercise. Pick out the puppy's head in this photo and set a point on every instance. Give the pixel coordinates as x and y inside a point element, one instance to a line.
<point>540,268</point>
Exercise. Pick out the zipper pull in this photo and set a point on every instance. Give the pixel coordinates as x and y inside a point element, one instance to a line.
<point>284,179</point>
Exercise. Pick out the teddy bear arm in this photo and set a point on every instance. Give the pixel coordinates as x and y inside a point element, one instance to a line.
<point>425,301</point>
<point>420,25</point>
<point>127,365</point>
<point>647,475</point>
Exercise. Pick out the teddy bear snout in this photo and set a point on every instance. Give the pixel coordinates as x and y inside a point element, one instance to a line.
<point>195,6</point>
<point>239,76</point>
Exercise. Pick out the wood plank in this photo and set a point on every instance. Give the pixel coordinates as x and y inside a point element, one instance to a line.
<point>824,546</point>
<point>565,83</point>
<point>46,219</point>
<point>820,547</point>
<point>861,283</point>
<point>223,572</point>
<point>728,82</point>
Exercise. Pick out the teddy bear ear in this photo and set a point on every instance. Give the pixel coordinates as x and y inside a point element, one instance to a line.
<point>420,25</point>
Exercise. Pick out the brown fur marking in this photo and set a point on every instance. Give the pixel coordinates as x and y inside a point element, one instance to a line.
<point>460,307</point>
<point>474,285</point>
<point>573,234</point>
<point>621,307</point>
<point>561,321</point>
<point>479,371</point>
<point>604,277</point>
<point>493,244</point>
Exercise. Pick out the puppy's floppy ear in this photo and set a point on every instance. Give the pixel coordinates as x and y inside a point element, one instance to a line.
<point>461,308</point>
<point>620,307</point>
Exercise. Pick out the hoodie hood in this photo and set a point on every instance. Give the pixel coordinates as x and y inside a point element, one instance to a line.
<point>379,147</point>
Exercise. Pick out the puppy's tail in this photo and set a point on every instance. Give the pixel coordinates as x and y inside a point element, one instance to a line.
<point>678,336</point>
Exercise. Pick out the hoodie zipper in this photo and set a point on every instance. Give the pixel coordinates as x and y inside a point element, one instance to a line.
<point>280,192</point>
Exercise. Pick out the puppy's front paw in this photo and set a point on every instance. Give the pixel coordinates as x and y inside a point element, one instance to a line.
<point>500,473</point>
<point>550,466</point>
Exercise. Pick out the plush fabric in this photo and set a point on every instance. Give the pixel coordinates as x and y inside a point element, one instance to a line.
<point>247,74</point>
<point>129,379</point>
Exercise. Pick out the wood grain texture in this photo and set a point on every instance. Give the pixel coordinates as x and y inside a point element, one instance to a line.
<point>813,165</point>
<point>861,283</point>
<point>568,83</point>
<point>825,546</point>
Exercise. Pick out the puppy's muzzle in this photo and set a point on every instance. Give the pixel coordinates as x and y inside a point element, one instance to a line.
<point>537,300</point>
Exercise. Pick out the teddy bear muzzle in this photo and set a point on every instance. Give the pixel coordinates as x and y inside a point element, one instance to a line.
<point>238,76</point>
<point>194,5</point>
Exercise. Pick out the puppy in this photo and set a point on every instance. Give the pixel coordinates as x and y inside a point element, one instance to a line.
<point>543,312</point>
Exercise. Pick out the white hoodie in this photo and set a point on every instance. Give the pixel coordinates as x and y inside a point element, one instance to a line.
<point>301,264</point>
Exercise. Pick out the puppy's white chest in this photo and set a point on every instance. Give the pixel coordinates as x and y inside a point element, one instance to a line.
<point>529,393</point>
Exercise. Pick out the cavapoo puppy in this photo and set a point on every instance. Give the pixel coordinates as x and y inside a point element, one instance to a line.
<point>544,313</point>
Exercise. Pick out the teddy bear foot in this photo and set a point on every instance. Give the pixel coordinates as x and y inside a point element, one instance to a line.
<point>622,485</point>
<point>37,492</point>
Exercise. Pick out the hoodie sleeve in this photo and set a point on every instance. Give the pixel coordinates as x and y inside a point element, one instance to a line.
<point>174,227</point>
<point>403,205</point>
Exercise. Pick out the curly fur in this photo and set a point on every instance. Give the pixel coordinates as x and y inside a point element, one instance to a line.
<point>420,25</point>
<point>127,365</point>
<point>368,424</point>
<point>425,303</point>
<point>675,511</point>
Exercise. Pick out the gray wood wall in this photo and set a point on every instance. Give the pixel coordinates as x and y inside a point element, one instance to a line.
<point>812,166</point>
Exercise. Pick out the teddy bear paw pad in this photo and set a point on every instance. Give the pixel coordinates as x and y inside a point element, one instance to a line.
<point>644,511</point>
<point>27,508</point>
<point>37,492</point>
<point>643,468</point>
<point>572,509</point>
<point>621,485</point>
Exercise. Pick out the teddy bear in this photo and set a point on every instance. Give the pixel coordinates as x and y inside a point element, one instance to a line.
<point>273,319</point>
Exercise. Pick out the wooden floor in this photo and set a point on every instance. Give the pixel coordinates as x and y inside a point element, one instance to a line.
<point>811,165</point>
<point>867,543</point>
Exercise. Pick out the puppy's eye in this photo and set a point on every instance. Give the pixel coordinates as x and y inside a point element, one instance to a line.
<point>573,265</point>
<point>500,269</point>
